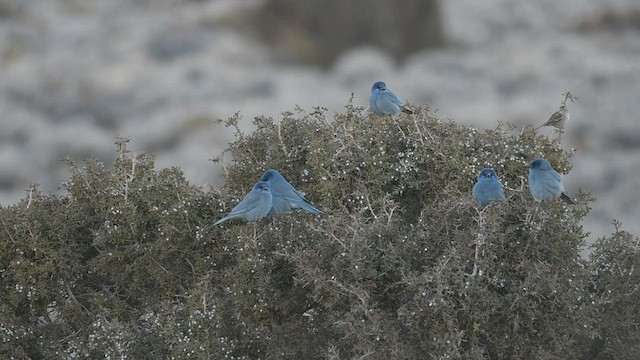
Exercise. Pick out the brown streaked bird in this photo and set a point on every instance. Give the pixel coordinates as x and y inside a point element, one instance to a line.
<point>558,119</point>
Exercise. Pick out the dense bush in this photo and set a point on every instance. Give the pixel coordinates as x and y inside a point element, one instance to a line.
<point>401,265</point>
<point>616,289</point>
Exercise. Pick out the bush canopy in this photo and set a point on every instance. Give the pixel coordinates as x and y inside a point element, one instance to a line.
<point>401,264</point>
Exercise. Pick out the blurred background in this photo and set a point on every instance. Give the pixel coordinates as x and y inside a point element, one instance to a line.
<point>76,73</point>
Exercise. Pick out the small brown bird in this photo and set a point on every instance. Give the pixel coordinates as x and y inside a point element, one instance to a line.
<point>558,119</point>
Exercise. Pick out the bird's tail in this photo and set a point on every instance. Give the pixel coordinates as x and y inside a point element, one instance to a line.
<point>220,221</point>
<point>309,208</point>
<point>567,199</point>
<point>223,220</point>
<point>406,110</point>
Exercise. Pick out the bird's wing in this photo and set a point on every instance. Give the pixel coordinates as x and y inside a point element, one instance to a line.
<point>393,98</point>
<point>281,188</point>
<point>555,175</point>
<point>293,196</point>
<point>498,189</point>
<point>555,118</point>
<point>387,103</point>
<point>255,205</point>
<point>552,182</point>
<point>286,197</point>
<point>477,192</point>
<point>373,100</point>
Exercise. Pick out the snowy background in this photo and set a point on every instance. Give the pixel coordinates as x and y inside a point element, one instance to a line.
<point>75,73</point>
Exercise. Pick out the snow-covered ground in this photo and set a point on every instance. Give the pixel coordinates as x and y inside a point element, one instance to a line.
<point>74,74</point>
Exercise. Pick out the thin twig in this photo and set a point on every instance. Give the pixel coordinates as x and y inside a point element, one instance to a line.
<point>366,196</point>
<point>31,188</point>
<point>193,269</point>
<point>284,148</point>
<point>420,136</point>
<point>4,225</point>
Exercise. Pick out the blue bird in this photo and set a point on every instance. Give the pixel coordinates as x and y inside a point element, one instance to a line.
<point>487,188</point>
<point>384,102</point>
<point>257,204</point>
<point>285,196</point>
<point>545,182</point>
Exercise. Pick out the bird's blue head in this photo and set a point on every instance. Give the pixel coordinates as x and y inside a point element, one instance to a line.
<point>262,186</point>
<point>487,174</point>
<point>270,174</point>
<point>379,87</point>
<point>540,164</point>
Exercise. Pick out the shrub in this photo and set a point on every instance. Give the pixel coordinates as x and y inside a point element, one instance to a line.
<point>401,264</point>
<point>616,287</point>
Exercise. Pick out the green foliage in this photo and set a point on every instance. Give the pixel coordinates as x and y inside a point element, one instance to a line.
<point>402,264</point>
<point>616,287</point>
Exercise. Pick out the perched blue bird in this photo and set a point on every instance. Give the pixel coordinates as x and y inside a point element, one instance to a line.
<point>257,204</point>
<point>487,188</point>
<point>545,183</point>
<point>384,102</point>
<point>285,196</point>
